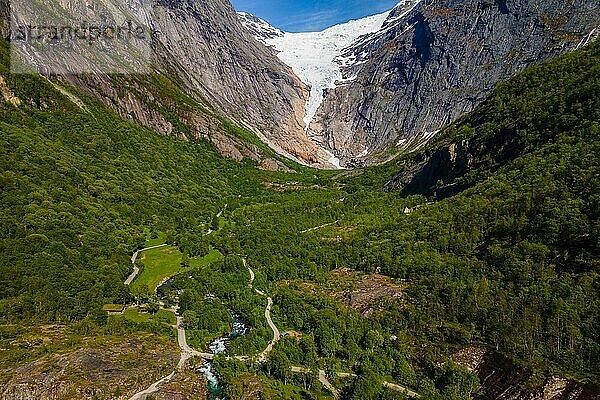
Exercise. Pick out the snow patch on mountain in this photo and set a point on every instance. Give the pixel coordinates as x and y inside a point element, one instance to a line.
<point>333,160</point>
<point>318,58</point>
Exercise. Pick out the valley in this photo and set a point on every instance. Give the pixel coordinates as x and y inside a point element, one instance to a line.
<point>181,235</point>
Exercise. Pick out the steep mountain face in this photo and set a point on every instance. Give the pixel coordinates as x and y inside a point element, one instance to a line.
<point>429,63</point>
<point>259,28</point>
<point>205,45</point>
<point>514,120</point>
<point>314,56</point>
<point>378,86</point>
<point>437,62</point>
<point>4,19</point>
<point>202,49</point>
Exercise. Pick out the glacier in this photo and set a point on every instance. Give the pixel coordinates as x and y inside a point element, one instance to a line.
<point>314,56</point>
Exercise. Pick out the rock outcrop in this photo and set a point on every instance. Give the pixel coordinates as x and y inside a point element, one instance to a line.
<point>432,61</point>
<point>4,19</point>
<point>270,164</point>
<point>501,379</point>
<point>511,123</point>
<point>434,172</point>
<point>115,371</point>
<point>202,50</point>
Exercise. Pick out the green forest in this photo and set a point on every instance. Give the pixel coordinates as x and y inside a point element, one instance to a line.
<point>512,262</point>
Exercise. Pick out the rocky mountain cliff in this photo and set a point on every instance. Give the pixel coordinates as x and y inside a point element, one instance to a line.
<point>431,62</point>
<point>205,45</point>
<point>518,118</point>
<point>417,68</point>
<point>430,65</point>
<point>202,50</point>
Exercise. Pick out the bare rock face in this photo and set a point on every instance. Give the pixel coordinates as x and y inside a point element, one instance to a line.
<point>259,28</point>
<point>116,372</point>
<point>432,61</point>
<point>216,58</point>
<point>4,19</point>
<point>270,164</point>
<point>423,174</point>
<point>435,60</point>
<point>185,385</point>
<point>6,93</point>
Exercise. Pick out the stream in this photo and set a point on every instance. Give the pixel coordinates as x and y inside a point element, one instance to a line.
<point>219,346</point>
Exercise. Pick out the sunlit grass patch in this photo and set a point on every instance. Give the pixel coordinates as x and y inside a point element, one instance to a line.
<point>137,316</point>
<point>199,262</point>
<point>158,264</point>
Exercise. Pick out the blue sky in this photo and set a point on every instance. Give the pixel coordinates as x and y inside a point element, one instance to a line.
<point>311,15</point>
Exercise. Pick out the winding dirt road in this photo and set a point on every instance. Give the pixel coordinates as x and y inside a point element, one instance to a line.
<point>186,353</point>
<point>262,357</point>
<point>322,378</point>
<point>152,388</point>
<point>325,382</point>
